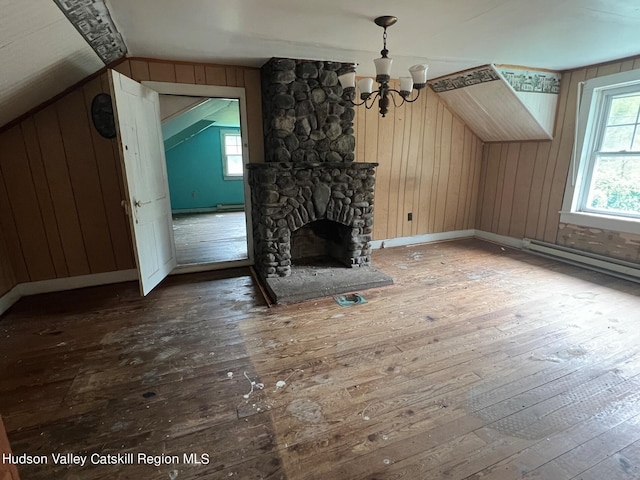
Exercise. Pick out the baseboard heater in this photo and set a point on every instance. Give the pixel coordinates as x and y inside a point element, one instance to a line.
<point>592,261</point>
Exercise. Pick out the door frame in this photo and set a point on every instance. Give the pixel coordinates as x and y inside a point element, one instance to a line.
<point>188,89</point>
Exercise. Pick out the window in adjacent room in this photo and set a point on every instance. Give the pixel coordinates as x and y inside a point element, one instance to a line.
<point>603,188</point>
<point>232,163</point>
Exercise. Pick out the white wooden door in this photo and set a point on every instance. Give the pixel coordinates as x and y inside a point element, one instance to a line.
<point>137,113</point>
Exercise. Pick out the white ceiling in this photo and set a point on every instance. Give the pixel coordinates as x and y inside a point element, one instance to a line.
<point>450,35</point>
<point>41,54</point>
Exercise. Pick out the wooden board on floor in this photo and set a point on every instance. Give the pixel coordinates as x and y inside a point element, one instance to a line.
<point>478,363</point>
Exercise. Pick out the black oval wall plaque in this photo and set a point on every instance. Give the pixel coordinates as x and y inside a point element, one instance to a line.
<point>102,115</point>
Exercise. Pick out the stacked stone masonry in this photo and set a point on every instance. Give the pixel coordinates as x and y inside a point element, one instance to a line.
<point>288,196</point>
<point>309,172</point>
<point>305,117</point>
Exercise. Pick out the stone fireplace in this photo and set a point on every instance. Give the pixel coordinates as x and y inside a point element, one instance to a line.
<point>309,199</point>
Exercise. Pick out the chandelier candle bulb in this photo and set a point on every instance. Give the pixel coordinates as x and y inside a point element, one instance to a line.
<point>406,85</point>
<point>383,69</point>
<point>419,75</point>
<point>347,80</point>
<point>365,85</point>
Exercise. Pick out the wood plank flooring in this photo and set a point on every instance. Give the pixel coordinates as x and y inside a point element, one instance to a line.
<point>479,363</point>
<point>210,237</point>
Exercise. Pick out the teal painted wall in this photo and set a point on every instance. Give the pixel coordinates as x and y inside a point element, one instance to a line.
<point>196,180</point>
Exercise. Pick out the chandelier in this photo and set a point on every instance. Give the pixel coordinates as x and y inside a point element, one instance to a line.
<point>385,94</point>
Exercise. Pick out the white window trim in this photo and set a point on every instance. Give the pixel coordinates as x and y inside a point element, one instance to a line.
<point>225,174</point>
<point>587,117</point>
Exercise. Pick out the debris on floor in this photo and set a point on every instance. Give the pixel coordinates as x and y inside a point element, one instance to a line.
<point>349,299</point>
<point>254,385</point>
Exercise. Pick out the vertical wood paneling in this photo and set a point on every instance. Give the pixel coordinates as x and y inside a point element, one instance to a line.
<point>412,186</point>
<point>428,155</point>
<point>506,202</point>
<point>497,204</point>
<point>57,172</point>
<point>231,76</point>
<point>541,169</point>
<point>435,175</point>
<point>416,206</point>
<point>87,190</point>
<point>162,72</point>
<point>215,75</point>
<point>7,277</point>
<point>12,240</point>
<point>41,185</point>
<point>200,74</point>
<point>401,217</point>
<point>396,168</point>
<point>562,160</point>
<point>109,173</point>
<point>23,202</point>
<point>535,194</point>
<point>525,164</point>
<point>430,165</point>
<point>253,91</point>
<point>124,68</point>
<point>465,177</point>
<point>454,177</point>
<point>475,189</point>
<point>384,152</point>
<point>185,73</point>
<point>61,183</point>
<point>139,70</point>
<point>491,165</point>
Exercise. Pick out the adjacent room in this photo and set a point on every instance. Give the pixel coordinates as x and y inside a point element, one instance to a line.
<point>287,240</point>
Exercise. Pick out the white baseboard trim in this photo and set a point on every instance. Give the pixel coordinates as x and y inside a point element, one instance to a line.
<point>426,238</point>
<point>9,298</point>
<point>499,239</point>
<point>61,284</point>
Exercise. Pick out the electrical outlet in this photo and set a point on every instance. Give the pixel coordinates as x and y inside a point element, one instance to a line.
<point>410,216</point>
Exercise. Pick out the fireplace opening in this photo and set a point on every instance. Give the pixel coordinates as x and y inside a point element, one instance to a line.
<point>321,243</point>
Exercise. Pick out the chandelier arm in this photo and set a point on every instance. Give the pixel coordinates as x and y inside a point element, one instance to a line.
<point>406,99</point>
<point>359,104</point>
<point>393,97</point>
<point>348,98</point>
<point>373,96</point>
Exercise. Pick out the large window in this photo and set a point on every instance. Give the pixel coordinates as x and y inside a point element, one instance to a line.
<point>603,189</point>
<point>232,163</point>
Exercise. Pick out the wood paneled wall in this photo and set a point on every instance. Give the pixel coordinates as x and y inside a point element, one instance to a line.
<point>429,167</point>
<point>61,183</point>
<point>141,69</point>
<point>522,183</point>
<point>7,279</point>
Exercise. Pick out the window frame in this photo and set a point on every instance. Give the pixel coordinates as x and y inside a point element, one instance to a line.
<point>225,156</point>
<point>591,122</point>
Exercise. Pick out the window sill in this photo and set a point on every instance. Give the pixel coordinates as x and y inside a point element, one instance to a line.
<point>232,177</point>
<point>602,222</point>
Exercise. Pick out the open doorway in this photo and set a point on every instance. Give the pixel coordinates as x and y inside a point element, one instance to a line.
<point>214,233</point>
<point>203,150</point>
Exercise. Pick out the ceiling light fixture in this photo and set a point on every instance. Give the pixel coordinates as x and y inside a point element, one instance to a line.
<point>417,81</point>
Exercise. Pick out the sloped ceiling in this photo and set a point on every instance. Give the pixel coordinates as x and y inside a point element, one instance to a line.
<point>41,54</point>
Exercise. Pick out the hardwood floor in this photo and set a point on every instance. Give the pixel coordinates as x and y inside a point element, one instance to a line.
<point>210,237</point>
<point>479,363</point>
